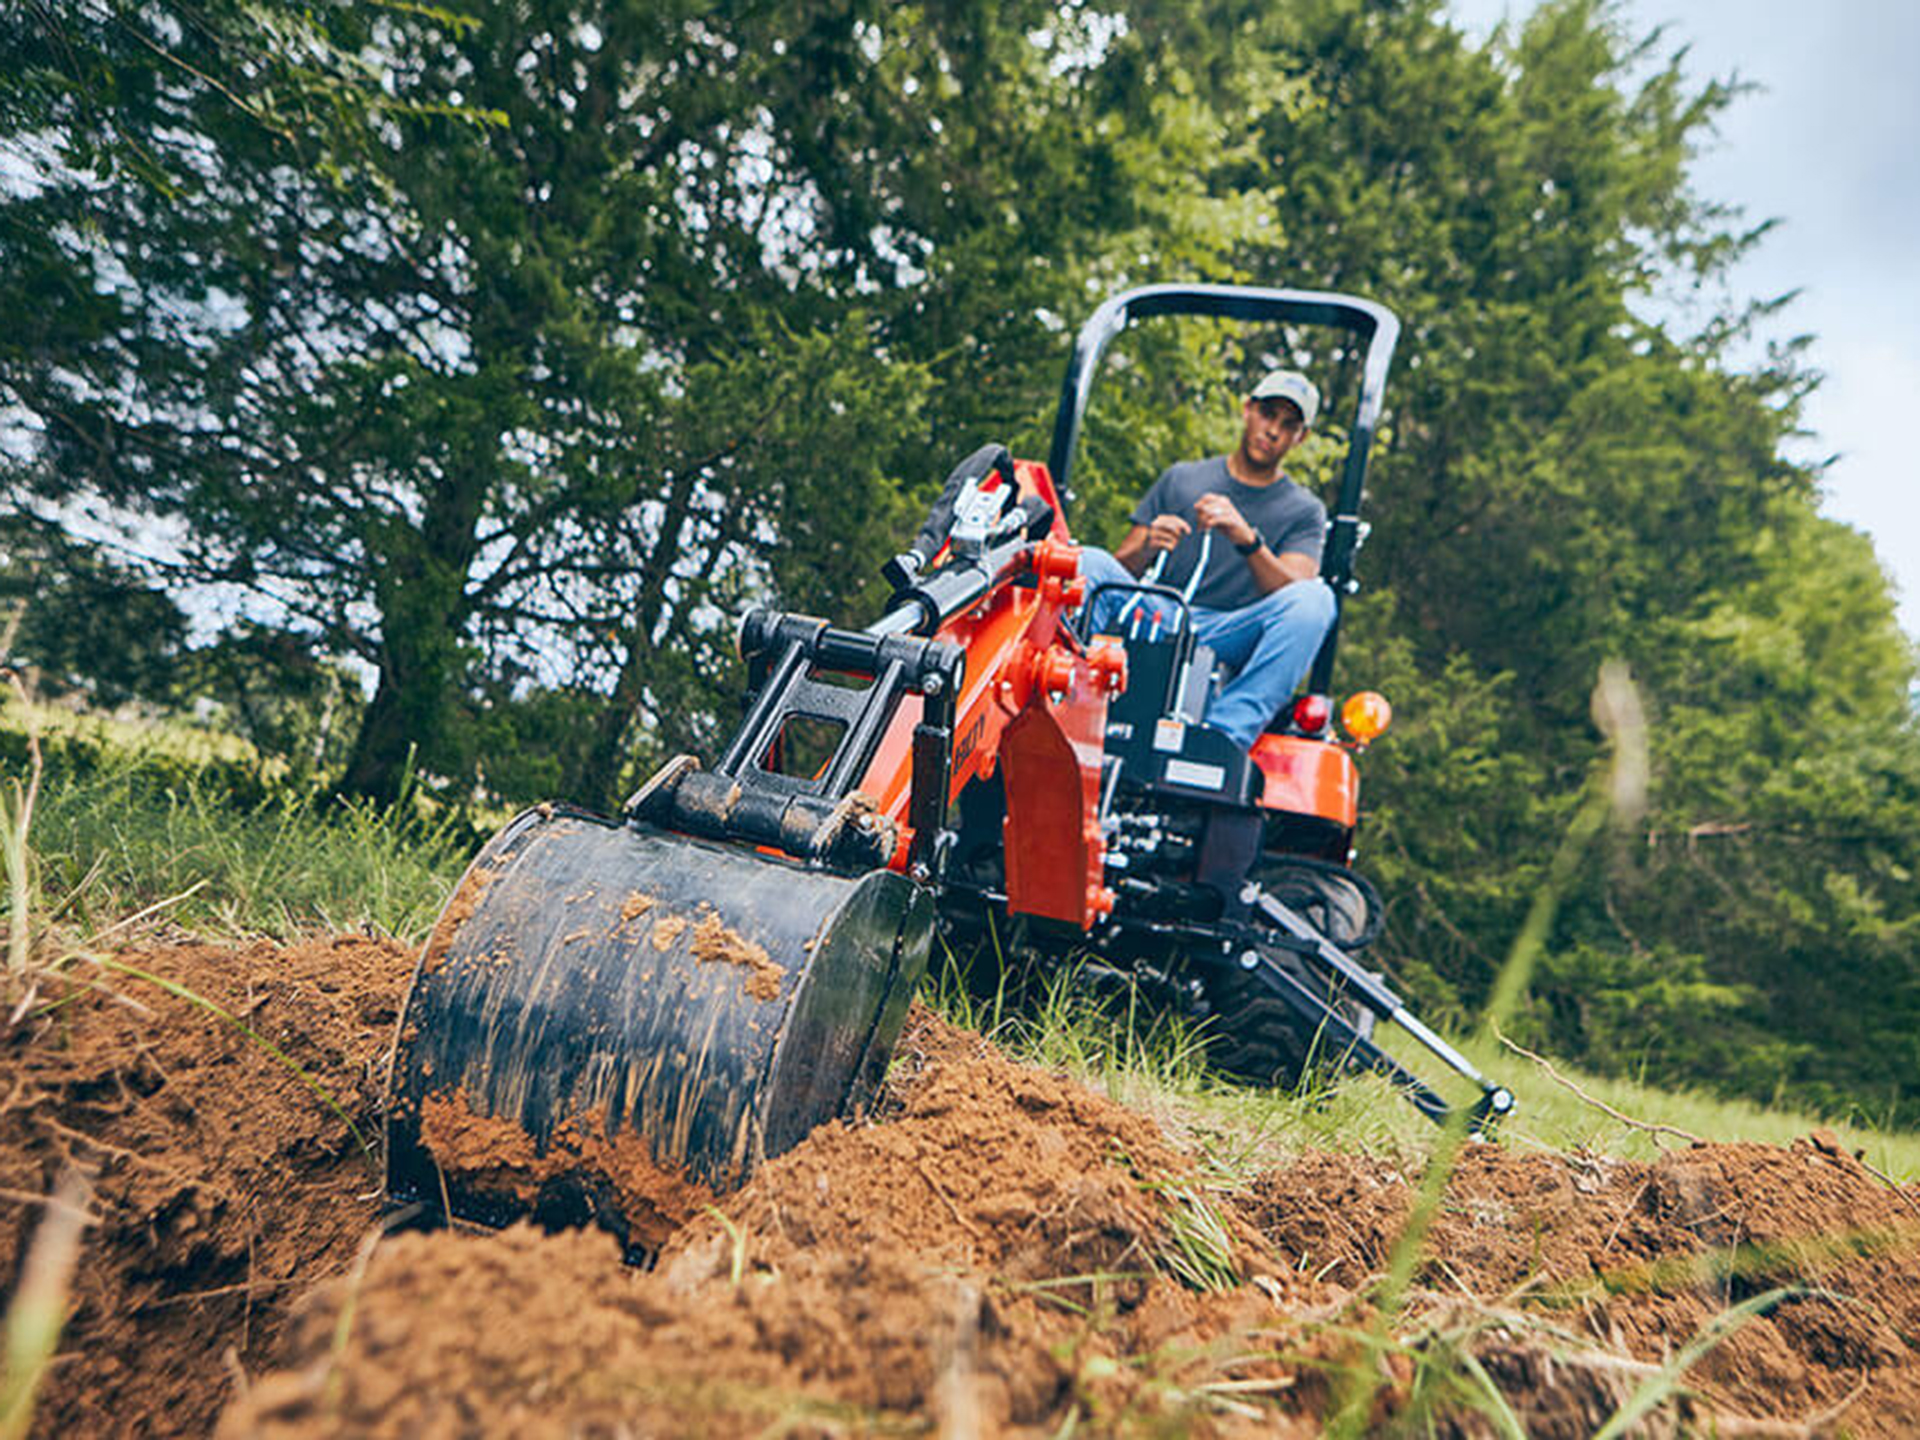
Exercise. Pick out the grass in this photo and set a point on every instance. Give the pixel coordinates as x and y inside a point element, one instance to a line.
<point>131,813</point>
<point>1551,1117</point>
<point>38,1310</point>
<point>124,836</point>
<point>1199,1252</point>
<point>1155,1065</point>
<point>16,826</point>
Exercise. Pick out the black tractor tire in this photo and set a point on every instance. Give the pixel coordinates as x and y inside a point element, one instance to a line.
<point>1340,903</point>
<point>1255,1036</point>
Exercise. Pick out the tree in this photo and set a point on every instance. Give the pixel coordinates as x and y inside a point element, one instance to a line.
<point>479,401</point>
<point>135,137</point>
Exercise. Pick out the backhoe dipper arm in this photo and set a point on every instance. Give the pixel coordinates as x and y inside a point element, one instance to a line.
<point>816,817</point>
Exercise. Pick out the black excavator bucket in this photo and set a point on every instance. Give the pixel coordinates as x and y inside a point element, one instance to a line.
<point>608,1015</point>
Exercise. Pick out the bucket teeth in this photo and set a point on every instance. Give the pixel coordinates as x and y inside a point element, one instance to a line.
<point>612,1022</point>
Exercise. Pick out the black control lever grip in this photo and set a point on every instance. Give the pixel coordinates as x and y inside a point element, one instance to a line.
<point>1039,517</point>
<point>939,522</point>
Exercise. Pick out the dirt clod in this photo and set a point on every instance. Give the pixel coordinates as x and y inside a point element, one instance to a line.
<point>466,898</point>
<point>715,941</point>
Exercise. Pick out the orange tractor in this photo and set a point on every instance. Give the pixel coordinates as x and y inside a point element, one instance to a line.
<point>725,966</point>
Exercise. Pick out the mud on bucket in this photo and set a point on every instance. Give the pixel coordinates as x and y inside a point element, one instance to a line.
<point>610,1022</point>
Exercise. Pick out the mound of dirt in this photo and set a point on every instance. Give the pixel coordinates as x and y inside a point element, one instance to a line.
<point>1002,1252</point>
<point>223,1185</point>
<point>988,1257</point>
<point>1634,1261</point>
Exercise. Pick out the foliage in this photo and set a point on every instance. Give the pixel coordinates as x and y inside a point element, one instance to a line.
<point>499,356</point>
<point>515,397</point>
<point>86,625</point>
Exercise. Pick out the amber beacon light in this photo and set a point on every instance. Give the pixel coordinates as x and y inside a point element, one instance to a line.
<point>1366,716</point>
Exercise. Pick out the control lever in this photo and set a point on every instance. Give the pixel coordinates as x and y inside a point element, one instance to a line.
<point>905,568</point>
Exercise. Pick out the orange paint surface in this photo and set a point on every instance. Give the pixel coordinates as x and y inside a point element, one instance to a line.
<point>1308,777</point>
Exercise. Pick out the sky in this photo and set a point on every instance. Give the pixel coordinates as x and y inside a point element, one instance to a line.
<point>1828,144</point>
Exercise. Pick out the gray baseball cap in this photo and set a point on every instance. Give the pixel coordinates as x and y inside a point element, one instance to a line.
<point>1289,385</point>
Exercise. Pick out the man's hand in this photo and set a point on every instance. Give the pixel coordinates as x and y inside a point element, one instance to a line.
<point>1167,531</point>
<point>1217,512</point>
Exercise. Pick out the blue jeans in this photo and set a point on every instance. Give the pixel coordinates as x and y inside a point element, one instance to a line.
<point>1266,647</point>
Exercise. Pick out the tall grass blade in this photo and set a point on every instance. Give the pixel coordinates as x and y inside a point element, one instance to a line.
<point>1492,1403</point>
<point>349,1306</point>
<point>1616,788</point>
<point>38,1311</point>
<point>16,826</point>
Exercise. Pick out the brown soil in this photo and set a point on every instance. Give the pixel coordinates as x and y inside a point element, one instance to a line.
<point>714,941</point>
<point>496,1157</point>
<point>225,1188</point>
<point>995,1255</point>
<point>459,909</point>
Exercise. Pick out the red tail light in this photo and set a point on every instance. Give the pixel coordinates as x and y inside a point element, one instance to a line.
<point>1311,714</point>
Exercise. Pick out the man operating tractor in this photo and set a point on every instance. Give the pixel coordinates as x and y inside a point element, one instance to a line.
<point>1242,542</point>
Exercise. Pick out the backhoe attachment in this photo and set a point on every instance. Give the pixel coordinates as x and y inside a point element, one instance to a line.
<point>609,1019</point>
<point>614,1019</point>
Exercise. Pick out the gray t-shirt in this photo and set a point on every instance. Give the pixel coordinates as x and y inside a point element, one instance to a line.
<point>1287,517</point>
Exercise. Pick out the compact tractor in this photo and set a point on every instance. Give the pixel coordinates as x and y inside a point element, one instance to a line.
<point>707,977</point>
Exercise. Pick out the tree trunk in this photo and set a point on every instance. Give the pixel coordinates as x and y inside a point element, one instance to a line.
<point>601,768</point>
<point>396,723</point>
<point>420,586</point>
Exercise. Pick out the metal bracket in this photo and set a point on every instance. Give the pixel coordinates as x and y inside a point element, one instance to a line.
<point>819,817</point>
<point>1298,934</point>
<point>665,778</point>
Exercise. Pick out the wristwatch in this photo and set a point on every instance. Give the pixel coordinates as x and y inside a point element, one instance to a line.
<point>1253,546</point>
